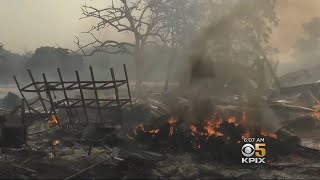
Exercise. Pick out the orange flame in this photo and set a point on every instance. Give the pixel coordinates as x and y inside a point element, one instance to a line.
<point>232,119</point>
<point>55,142</point>
<point>316,115</point>
<point>210,128</point>
<point>141,127</point>
<point>172,122</point>
<point>52,120</point>
<point>245,135</point>
<point>193,128</point>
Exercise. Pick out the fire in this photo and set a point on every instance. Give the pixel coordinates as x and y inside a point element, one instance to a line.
<point>172,123</point>
<point>172,120</point>
<point>141,127</point>
<point>193,129</point>
<point>218,123</point>
<point>317,116</point>
<point>53,120</point>
<point>210,127</point>
<point>245,135</point>
<point>232,119</point>
<point>216,126</point>
<point>55,142</point>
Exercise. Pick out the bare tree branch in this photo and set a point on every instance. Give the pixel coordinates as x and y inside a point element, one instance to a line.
<point>144,19</point>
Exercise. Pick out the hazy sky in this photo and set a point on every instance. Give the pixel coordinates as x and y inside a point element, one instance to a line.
<point>28,24</point>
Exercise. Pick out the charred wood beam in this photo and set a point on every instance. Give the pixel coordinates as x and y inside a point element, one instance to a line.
<point>69,111</point>
<point>69,85</point>
<point>105,84</point>
<point>24,98</point>
<point>116,92</point>
<point>37,91</point>
<point>82,98</point>
<point>85,87</point>
<point>26,169</point>
<point>292,108</point>
<point>34,110</point>
<point>50,98</point>
<point>140,155</point>
<point>96,94</point>
<point>128,86</point>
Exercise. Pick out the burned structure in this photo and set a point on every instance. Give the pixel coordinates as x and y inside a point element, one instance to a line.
<point>45,91</point>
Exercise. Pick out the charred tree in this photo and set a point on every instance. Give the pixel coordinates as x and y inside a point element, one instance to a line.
<point>142,19</point>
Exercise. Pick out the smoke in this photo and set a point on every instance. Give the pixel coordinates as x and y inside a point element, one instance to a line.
<point>292,15</point>
<point>206,78</point>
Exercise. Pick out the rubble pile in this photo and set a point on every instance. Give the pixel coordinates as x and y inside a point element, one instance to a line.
<point>160,135</point>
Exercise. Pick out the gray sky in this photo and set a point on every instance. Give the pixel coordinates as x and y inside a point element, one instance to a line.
<point>28,24</point>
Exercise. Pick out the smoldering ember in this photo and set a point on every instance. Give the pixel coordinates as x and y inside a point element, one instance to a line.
<point>163,89</point>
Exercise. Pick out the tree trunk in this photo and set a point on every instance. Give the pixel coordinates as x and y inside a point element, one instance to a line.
<point>139,61</point>
<point>170,64</point>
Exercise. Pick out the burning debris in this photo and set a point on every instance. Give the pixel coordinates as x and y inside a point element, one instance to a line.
<point>153,131</point>
<point>53,120</point>
<point>221,131</point>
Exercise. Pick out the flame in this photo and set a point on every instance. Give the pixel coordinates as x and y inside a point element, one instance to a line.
<point>316,115</point>
<point>210,127</point>
<point>141,127</point>
<point>172,123</point>
<point>218,123</point>
<point>245,135</point>
<point>172,120</point>
<point>232,119</point>
<point>55,142</point>
<point>193,129</point>
<point>53,120</point>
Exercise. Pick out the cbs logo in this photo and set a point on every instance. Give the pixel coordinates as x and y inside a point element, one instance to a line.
<point>249,150</point>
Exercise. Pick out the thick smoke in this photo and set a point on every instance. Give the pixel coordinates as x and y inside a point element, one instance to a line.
<point>203,74</point>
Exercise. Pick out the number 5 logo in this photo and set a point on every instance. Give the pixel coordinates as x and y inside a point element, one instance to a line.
<point>260,149</point>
